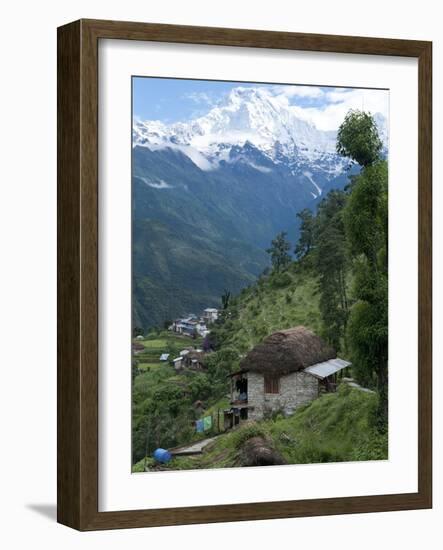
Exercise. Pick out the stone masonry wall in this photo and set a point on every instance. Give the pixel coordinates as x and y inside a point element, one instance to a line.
<point>256,393</point>
<point>296,389</point>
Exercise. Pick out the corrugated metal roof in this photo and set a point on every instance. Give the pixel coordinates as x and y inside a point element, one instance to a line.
<point>164,356</point>
<point>322,370</point>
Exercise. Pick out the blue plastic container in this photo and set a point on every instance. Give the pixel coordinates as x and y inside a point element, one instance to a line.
<point>162,455</point>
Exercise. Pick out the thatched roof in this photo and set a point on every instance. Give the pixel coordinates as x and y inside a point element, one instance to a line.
<point>287,351</point>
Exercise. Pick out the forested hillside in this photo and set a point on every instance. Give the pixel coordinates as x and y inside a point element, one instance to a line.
<point>214,191</point>
<point>333,280</point>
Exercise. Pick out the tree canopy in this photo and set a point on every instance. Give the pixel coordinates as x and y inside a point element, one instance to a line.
<point>279,252</point>
<point>358,138</point>
<point>306,240</point>
<point>345,245</point>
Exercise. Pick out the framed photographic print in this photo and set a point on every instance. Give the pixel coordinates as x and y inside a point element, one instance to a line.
<point>244,280</point>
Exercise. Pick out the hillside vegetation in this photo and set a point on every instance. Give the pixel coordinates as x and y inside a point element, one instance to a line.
<point>275,302</point>
<point>334,428</point>
<point>215,226</point>
<point>334,280</point>
<point>163,412</point>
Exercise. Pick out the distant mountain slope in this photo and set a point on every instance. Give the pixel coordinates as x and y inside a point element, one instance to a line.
<point>181,270</point>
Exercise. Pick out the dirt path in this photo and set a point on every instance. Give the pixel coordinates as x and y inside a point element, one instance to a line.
<point>350,382</point>
<point>194,449</point>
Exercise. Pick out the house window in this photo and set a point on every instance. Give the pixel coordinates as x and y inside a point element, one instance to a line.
<point>272,383</point>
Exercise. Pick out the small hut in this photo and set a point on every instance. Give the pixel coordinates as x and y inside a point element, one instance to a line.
<point>137,348</point>
<point>288,369</point>
<point>194,360</point>
<point>178,363</point>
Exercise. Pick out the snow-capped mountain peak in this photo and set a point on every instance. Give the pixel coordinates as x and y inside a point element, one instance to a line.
<point>246,115</point>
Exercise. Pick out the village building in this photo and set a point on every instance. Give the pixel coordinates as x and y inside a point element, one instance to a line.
<point>288,369</point>
<point>137,348</point>
<point>194,360</point>
<point>186,326</point>
<point>200,328</point>
<point>164,356</point>
<point>189,326</point>
<point>190,359</point>
<point>210,315</point>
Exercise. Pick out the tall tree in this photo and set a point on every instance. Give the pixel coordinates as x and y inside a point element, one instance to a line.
<point>226,298</point>
<point>279,252</point>
<point>366,226</point>
<point>331,265</point>
<point>306,239</point>
<point>368,329</point>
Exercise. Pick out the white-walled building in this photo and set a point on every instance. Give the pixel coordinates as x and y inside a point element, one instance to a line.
<point>210,315</point>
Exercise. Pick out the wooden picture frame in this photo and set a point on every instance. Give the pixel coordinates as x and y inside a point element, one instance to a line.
<point>78,273</point>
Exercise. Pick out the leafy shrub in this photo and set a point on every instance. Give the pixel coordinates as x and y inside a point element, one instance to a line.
<point>281,280</point>
<point>311,453</point>
<point>140,466</point>
<point>260,331</point>
<point>247,432</point>
<point>375,448</point>
<point>273,414</point>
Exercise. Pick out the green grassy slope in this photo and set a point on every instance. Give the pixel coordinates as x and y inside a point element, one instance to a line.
<point>275,302</point>
<point>336,427</point>
<point>162,400</point>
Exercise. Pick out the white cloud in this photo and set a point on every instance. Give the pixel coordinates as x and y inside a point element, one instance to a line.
<point>298,91</point>
<point>331,104</point>
<point>332,114</point>
<point>337,95</point>
<point>161,184</point>
<point>201,98</point>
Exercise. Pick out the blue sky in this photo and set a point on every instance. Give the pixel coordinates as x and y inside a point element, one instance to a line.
<point>171,100</point>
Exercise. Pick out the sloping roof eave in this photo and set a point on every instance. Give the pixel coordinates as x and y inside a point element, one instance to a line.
<point>326,368</point>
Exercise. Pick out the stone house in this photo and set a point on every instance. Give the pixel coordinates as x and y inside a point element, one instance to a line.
<point>288,369</point>
<point>194,360</point>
